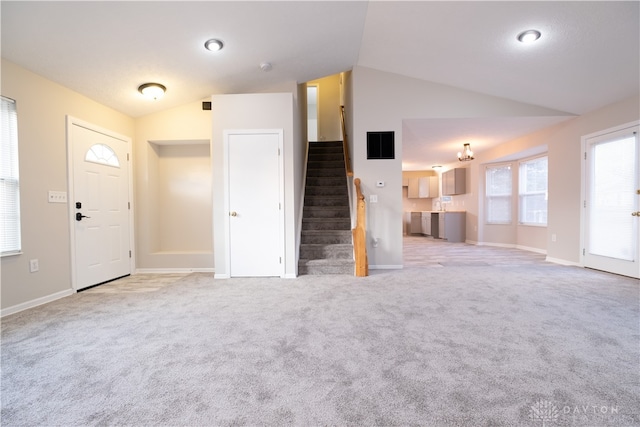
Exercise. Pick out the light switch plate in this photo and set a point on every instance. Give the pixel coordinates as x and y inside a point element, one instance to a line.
<point>373,198</point>
<point>57,196</point>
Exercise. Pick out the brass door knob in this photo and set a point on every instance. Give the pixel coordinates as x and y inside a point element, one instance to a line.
<point>635,213</point>
<point>234,213</point>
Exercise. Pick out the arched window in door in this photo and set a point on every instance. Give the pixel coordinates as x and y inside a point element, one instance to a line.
<point>102,154</point>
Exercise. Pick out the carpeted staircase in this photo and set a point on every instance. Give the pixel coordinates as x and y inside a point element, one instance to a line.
<point>326,246</point>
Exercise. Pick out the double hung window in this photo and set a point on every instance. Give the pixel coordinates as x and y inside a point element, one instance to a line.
<point>10,242</point>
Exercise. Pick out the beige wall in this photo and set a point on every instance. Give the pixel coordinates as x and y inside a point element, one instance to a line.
<point>172,166</point>
<point>329,96</point>
<point>564,146</point>
<point>42,108</point>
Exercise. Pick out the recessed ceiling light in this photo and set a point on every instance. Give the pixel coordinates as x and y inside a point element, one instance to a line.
<point>213,45</point>
<point>529,36</point>
<point>152,90</point>
<point>436,167</point>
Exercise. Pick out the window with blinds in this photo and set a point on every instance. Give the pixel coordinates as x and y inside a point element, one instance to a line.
<point>498,194</point>
<point>10,243</point>
<point>533,191</point>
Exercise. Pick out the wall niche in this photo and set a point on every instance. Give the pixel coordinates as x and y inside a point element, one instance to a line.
<point>180,199</point>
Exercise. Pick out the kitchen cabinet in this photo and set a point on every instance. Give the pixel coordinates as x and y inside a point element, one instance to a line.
<point>450,226</point>
<point>426,223</point>
<point>415,225</point>
<point>423,187</point>
<point>454,182</point>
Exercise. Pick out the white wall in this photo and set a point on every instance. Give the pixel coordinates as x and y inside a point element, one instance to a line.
<point>258,111</point>
<point>42,107</point>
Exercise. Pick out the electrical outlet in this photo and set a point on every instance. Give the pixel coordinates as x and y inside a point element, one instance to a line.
<point>33,265</point>
<point>57,196</point>
<point>554,237</point>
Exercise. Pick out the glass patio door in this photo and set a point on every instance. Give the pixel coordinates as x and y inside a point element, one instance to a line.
<point>612,205</point>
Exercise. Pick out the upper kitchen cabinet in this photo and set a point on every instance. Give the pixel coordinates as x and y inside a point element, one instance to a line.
<point>454,182</point>
<point>423,187</point>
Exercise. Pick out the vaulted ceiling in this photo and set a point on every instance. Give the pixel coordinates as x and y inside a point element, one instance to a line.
<point>587,57</point>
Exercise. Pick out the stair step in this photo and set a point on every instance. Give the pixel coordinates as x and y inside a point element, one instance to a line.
<point>326,212</point>
<point>328,181</point>
<point>323,200</point>
<point>326,236</point>
<point>325,164</point>
<point>326,144</point>
<point>328,224</point>
<point>316,251</point>
<point>321,156</point>
<point>328,172</point>
<point>326,266</point>
<point>324,190</point>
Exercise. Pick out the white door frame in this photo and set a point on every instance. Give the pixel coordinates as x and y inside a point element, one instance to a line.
<point>72,121</point>
<point>227,221</point>
<point>583,186</point>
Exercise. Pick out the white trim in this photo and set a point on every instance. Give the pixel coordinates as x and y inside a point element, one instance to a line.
<point>563,262</point>
<point>36,302</point>
<point>290,276</point>
<point>530,249</point>
<point>386,267</point>
<point>221,276</point>
<point>173,270</point>
<point>70,121</point>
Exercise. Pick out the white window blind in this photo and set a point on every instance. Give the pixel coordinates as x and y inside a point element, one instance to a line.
<point>498,194</point>
<point>9,180</point>
<point>533,191</point>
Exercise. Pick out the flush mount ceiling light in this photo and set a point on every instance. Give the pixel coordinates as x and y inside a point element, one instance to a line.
<point>436,167</point>
<point>529,36</point>
<point>153,91</point>
<point>466,154</point>
<point>213,45</point>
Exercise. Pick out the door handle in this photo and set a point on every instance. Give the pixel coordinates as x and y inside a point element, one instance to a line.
<point>635,213</point>
<point>234,213</point>
<point>79,216</point>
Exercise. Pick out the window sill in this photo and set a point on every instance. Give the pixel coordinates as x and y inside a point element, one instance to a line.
<point>8,254</point>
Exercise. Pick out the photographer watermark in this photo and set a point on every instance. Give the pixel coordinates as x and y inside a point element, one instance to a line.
<point>547,413</point>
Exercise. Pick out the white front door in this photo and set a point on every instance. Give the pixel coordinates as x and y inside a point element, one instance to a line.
<point>255,204</point>
<point>99,206</point>
<point>612,202</point>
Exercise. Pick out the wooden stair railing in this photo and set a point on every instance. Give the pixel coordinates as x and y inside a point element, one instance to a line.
<point>359,235</point>
<point>345,143</point>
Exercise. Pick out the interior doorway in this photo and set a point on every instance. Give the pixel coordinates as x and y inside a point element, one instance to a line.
<point>255,203</point>
<point>312,112</point>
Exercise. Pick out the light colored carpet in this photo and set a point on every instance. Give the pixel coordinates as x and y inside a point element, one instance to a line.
<point>436,344</point>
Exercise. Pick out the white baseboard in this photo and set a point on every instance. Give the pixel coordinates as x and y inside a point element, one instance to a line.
<point>222,276</point>
<point>173,270</point>
<point>289,276</point>
<point>530,249</point>
<point>563,262</point>
<point>36,302</point>
<point>386,267</point>
<point>509,246</point>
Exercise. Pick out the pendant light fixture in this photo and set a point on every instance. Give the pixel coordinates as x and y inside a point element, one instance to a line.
<point>466,154</point>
